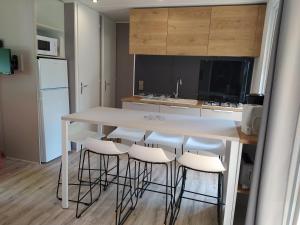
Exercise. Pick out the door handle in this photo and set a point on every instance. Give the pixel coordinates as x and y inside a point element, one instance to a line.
<point>106,84</point>
<point>82,86</point>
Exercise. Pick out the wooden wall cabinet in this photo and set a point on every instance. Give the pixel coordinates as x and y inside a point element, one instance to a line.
<point>148,31</point>
<point>188,30</point>
<point>197,31</point>
<point>236,30</point>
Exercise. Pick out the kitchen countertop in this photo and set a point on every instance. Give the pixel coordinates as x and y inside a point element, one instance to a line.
<point>139,99</point>
<point>245,139</point>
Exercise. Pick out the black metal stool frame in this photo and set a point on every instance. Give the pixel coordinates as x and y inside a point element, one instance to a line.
<point>101,182</point>
<point>136,191</point>
<point>181,196</point>
<point>97,181</point>
<point>106,173</point>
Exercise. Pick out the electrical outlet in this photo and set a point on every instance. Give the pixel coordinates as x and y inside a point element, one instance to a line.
<point>141,85</point>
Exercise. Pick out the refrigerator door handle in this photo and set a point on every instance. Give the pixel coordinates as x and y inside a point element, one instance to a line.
<point>82,86</point>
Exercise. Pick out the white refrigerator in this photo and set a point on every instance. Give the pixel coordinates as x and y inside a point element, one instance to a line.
<point>54,103</point>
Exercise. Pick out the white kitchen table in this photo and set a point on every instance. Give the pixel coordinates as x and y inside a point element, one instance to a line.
<point>169,124</point>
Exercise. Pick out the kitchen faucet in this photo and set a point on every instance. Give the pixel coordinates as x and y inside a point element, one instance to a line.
<point>179,82</point>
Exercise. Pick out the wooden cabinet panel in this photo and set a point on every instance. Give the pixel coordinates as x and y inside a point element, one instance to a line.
<point>259,29</point>
<point>188,30</point>
<point>197,31</point>
<point>148,31</point>
<point>233,30</point>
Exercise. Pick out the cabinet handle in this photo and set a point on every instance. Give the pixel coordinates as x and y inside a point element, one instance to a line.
<point>179,107</point>
<point>225,111</point>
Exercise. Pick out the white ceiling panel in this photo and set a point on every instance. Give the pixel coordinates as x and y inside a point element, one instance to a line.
<point>118,9</point>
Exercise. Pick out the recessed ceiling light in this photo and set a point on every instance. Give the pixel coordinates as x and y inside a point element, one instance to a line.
<point>95,1</point>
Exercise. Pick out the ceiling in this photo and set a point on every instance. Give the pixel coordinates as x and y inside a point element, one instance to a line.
<point>118,9</point>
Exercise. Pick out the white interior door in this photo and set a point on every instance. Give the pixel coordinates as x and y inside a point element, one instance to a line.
<point>88,58</point>
<point>108,62</point>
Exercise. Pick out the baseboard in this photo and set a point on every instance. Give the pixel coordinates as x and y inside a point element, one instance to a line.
<point>21,160</point>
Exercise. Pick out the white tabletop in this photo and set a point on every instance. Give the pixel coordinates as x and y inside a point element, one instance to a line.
<point>160,122</point>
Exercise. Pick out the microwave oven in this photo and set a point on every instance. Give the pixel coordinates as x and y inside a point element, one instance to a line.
<point>47,46</point>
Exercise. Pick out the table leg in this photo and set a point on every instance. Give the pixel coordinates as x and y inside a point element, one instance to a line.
<point>65,181</point>
<point>232,165</point>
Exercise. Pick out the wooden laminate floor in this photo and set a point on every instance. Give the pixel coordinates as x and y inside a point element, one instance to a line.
<point>27,197</point>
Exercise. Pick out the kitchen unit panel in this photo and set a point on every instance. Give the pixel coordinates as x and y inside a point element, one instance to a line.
<point>180,110</point>
<point>221,114</point>
<point>141,106</point>
<point>148,31</point>
<point>236,30</point>
<point>259,28</point>
<point>188,31</point>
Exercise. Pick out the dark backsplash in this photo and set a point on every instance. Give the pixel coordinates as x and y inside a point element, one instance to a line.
<point>160,74</point>
<point>207,78</point>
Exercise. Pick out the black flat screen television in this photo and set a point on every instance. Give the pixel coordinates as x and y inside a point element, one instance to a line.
<point>225,79</point>
<point>5,62</point>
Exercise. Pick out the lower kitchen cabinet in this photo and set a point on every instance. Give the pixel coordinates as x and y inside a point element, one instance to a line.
<point>221,114</point>
<point>141,106</point>
<point>180,110</point>
<point>209,113</point>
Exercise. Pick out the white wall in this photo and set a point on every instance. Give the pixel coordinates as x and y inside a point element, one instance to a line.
<point>18,95</point>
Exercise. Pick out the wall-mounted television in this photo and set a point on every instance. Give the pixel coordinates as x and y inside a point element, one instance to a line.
<point>5,62</point>
<point>225,79</point>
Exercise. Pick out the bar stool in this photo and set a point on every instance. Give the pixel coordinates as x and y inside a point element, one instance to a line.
<point>77,134</point>
<point>155,156</point>
<point>173,141</point>
<point>194,144</point>
<point>101,148</point>
<point>205,162</point>
<point>129,134</point>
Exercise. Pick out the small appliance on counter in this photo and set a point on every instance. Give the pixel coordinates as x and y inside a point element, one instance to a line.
<point>252,113</point>
<point>255,99</point>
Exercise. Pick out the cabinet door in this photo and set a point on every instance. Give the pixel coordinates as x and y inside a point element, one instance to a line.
<point>234,30</point>
<point>259,29</point>
<point>179,110</point>
<point>148,31</point>
<point>188,30</point>
<point>141,106</point>
<point>222,114</point>
<point>50,14</point>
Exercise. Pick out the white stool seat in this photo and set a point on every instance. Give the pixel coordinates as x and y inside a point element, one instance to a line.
<point>105,147</point>
<point>204,144</point>
<point>151,155</point>
<point>156,138</point>
<point>78,133</point>
<point>205,163</point>
<point>134,135</point>
<point>81,136</point>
